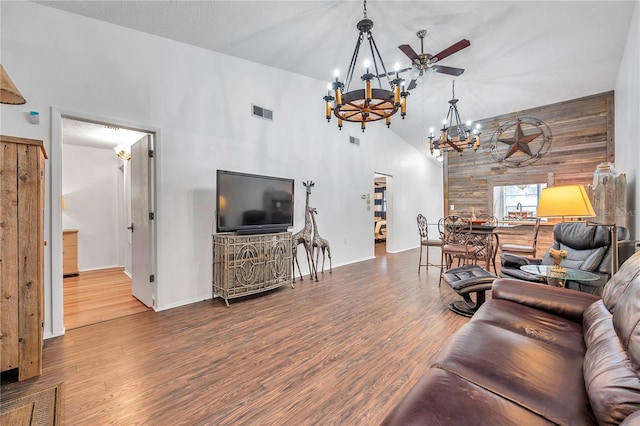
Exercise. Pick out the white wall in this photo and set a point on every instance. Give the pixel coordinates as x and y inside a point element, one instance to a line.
<point>200,103</point>
<point>90,184</point>
<point>627,110</point>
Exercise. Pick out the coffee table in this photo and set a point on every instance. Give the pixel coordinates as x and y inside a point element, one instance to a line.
<point>558,279</point>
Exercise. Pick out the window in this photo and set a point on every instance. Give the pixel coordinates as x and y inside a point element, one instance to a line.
<point>516,201</point>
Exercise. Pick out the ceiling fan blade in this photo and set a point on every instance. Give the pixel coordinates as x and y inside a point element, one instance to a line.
<point>448,70</point>
<point>408,50</point>
<point>412,85</point>
<point>452,49</point>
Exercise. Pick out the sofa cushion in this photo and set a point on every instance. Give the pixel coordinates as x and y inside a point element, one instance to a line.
<point>580,236</point>
<point>429,402</point>
<point>629,271</point>
<point>610,377</point>
<point>533,323</point>
<point>596,323</point>
<point>586,245</point>
<point>587,260</point>
<point>543,378</point>
<point>557,301</point>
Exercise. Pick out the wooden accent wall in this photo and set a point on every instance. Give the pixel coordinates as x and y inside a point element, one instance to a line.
<point>582,133</point>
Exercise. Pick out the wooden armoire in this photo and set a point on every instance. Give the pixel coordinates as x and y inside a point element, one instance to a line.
<point>21,255</point>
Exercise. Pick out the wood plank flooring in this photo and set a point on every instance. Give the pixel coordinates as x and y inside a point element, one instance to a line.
<point>96,296</point>
<point>343,350</point>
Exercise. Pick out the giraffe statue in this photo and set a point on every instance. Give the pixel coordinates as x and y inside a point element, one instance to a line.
<point>304,237</point>
<point>318,243</point>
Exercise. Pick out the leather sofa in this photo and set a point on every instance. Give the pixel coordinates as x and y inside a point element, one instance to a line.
<point>588,248</point>
<point>536,354</point>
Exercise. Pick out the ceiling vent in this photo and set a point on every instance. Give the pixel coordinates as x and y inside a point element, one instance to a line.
<point>354,141</point>
<point>257,111</point>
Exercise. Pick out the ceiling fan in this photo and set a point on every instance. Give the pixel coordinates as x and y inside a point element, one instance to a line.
<point>425,61</point>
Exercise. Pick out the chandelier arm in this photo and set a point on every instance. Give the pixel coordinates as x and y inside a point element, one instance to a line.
<point>381,102</point>
<point>448,119</point>
<point>348,116</point>
<point>374,46</point>
<point>354,59</point>
<point>374,112</point>
<point>454,146</point>
<point>462,132</point>
<point>351,106</point>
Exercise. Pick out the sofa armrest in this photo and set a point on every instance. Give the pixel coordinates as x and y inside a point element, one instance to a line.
<point>516,261</point>
<point>559,301</point>
<point>632,419</point>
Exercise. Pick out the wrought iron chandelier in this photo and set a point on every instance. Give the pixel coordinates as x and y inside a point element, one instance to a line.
<point>454,136</point>
<point>368,104</point>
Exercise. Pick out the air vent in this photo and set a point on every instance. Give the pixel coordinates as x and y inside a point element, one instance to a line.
<point>354,141</point>
<point>257,111</point>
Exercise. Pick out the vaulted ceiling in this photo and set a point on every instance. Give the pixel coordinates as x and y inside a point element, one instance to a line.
<point>523,54</point>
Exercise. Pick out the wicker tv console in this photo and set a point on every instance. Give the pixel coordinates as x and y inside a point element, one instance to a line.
<point>249,264</point>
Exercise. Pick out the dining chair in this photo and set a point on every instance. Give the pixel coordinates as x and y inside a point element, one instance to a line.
<point>423,231</point>
<point>485,244</point>
<point>523,249</point>
<point>456,242</point>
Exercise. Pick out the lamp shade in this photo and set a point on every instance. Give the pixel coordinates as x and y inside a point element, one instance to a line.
<point>565,201</point>
<point>9,93</point>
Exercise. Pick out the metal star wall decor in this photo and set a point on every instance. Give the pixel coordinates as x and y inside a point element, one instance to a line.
<point>520,142</point>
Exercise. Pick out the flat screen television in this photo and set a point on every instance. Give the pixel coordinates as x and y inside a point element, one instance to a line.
<point>253,204</point>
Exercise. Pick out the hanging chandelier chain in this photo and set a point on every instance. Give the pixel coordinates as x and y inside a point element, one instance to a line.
<point>365,9</point>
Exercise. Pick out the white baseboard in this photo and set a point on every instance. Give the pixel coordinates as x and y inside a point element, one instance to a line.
<point>183,303</point>
<point>49,335</point>
<point>98,268</point>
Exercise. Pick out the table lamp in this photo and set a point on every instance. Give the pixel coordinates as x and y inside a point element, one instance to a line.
<point>9,93</point>
<point>564,201</point>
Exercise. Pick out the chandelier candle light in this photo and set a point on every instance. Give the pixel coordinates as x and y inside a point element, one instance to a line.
<point>456,135</point>
<point>368,104</point>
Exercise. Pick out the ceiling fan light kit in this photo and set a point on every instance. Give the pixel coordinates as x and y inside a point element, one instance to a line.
<point>423,62</point>
<point>368,104</point>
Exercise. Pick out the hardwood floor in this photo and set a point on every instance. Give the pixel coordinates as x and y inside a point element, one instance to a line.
<point>343,350</point>
<point>96,296</point>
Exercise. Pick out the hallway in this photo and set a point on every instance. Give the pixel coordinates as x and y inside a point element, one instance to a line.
<point>96,296</point>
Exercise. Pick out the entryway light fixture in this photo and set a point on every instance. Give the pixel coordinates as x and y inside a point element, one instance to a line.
<point>123,152</point>
<point>454,136</point>
<point>9,93</point>
<point>368,104</point>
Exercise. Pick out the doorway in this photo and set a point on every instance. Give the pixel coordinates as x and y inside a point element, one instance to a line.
<point>116,267</point>
<point>380,210</point>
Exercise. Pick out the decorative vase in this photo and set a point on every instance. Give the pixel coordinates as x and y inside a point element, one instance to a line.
<point>558,256</point>
<point>604,172</point>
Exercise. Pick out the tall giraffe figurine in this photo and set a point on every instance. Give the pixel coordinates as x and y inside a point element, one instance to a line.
<point>304,237</point>
<point>318,243</point>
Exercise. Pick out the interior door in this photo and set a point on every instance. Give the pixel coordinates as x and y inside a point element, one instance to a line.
<point>142,284</point>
